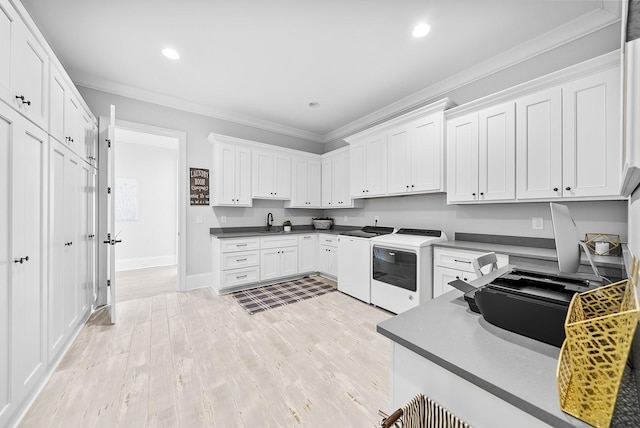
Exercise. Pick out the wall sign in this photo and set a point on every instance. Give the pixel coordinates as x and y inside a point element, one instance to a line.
<point>199,186</point>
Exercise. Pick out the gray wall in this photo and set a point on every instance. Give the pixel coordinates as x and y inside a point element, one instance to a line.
<point>432,212</point>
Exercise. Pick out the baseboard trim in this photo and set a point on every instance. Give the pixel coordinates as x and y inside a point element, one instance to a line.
<point>146,262</point>
<point>201,280</point>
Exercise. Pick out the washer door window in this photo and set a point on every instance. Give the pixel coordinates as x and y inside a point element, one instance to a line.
<point>395,267</point>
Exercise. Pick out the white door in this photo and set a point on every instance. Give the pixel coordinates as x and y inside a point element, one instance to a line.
<point>106,206</point>
<point>314,184</point>
<point>269,264</point>
<point>300,195</point>
<point>462,158</point>
<point>282,176</point>
<point>327,181</point>
<point>591,135</point>
<point>262,175</point>
<point>307,254</point>
<point>539,145</point>
<point>243,176</point>
<point>497,153</point>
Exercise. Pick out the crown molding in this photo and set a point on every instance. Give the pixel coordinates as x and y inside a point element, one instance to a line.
<point>92,82</point>
<point>608,14</point>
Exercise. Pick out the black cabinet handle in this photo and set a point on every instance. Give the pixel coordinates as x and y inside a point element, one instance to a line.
<point>22,260</point>
<point>481,193</point>
<point>413,185</point>
<point>21,98</point>
<point>567,188</point>
<point>555,189</point>
<point>473,194</point>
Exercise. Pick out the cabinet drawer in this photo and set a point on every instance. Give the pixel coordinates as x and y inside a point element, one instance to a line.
<point>235,277</point>
<point>244,244</point>
<point>240,259</point>
<point>330,240</point>
<point>462,260</point>
<point>278,242</point>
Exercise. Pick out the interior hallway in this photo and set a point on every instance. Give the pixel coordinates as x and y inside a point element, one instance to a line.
<point>147,282</point>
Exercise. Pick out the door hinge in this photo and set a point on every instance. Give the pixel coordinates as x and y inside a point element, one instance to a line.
<point>108,282</point>
<point>109,190</point>
<point>108,143</point>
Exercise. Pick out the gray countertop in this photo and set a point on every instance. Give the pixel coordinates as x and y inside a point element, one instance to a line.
<point>260,231</point>
<point>515,368</point>
<point>527,252</point>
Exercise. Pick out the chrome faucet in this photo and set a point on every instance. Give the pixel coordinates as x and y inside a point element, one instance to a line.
<point>269,221</point>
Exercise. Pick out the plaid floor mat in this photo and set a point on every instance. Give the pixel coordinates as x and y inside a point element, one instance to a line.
<point>283,293</point>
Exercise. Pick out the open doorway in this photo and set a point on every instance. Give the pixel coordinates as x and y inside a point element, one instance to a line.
<point>147,220</point>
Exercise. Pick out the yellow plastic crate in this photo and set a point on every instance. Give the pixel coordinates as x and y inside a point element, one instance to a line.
<point>599,330</point>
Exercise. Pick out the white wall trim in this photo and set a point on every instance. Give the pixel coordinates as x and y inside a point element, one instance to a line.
<point>199,281</point>
<point>92,82</point>
<point>146,262</point>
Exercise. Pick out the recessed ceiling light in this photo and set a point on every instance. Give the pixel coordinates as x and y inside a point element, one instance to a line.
<point>170,53</point>
<point>314,104</point>
<point>421,30</point>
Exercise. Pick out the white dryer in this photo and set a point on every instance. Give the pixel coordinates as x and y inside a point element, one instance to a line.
<point>402,268</point>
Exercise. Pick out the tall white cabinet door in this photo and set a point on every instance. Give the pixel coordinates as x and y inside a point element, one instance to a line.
<point>591,135</point>
<point>227,172</point>
<point>358,170</point>
<point>269,264</point>
<point>314,184</point>
<point>426,154</point>
<point>243,176</point>
<point>307,245</point>
<point>300,183</point>
<point>31,77</point>
<point>84,241</point>
<point>399,160</point>
<point>58,94</point>
<point>28,231</point>
<point>327,183</point>
<point>340,189</point>
<point>71,244</point>
<point>56,296</point>
<point>262,175</point>
<point>282,176</point>
<point>9,25</point>
<point>7,129</point>
<point>539,145</point>
<point>462,159</point>
<point>497,153</point>
<point>376,166</point>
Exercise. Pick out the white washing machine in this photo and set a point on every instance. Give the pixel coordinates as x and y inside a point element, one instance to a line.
<point>354,260</point>
<point>402,268</point>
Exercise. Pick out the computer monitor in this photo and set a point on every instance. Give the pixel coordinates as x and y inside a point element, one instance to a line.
<point>568,241</point>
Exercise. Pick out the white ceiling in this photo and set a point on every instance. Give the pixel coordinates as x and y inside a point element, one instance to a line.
<point>262,62</point>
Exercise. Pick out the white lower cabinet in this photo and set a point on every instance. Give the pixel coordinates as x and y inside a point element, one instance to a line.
<point>278,262</point>
<point>452,264</point>
<point>307,250</point>
<point>328,255</point>
<point>236,262</point>
<point>23,192</point>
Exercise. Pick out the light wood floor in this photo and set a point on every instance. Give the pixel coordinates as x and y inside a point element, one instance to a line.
<point>194,359</point>
<point>147,282</point>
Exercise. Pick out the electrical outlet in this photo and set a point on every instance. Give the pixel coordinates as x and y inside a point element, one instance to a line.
<point>537,223</point>
<point>223,219</point>
<point>198,219</point>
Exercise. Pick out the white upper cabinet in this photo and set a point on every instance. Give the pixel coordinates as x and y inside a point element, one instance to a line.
<point>400,156</point>
<point>557,137</point>
<point>335,180</point>
<point>307,187</point>
<point>462,158</point>
<point>369,166</point>
<point>539,145</point>
<point>481,155</point>
<point>30,77</point>
<point>497,153</point>
<point>271,174</point>
<point>568,140</point>
<point>232,175</point>
<point>591,140</point>
<point>415,156</point>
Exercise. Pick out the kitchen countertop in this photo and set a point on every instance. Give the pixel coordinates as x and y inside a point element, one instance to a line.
<point>260,231</point>
<point>515,368</point>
